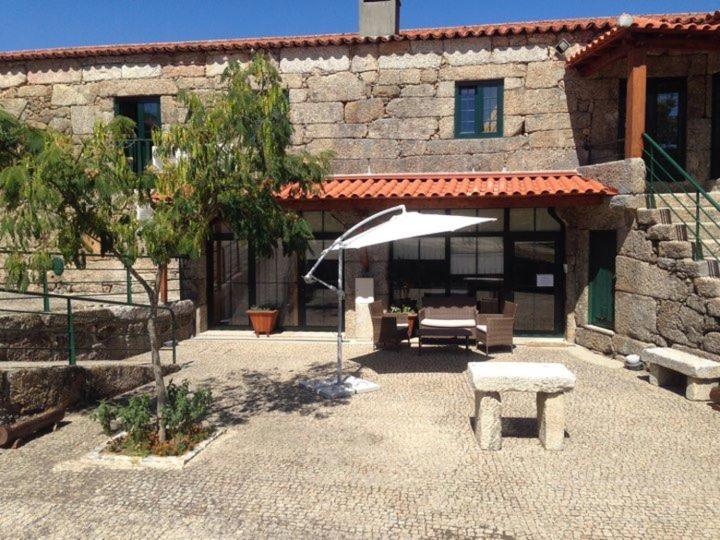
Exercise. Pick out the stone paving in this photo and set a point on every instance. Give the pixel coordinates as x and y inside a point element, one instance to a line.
<point>639,461</point>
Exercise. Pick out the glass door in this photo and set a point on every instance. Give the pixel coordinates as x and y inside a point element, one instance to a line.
<point>230,274</point>
<point>318,304</point>
<point>666,116</point>
<point>537,285</point>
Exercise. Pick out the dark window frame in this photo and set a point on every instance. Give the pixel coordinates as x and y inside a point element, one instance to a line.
<point>140,147</point>
<point>479,109</point>
<point>499,284</point>
<point>654,85</point>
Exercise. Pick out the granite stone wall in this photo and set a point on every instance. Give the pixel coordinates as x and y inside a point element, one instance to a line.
<point>663,297</point>
<point>106,333</point>
<point>385,107</point>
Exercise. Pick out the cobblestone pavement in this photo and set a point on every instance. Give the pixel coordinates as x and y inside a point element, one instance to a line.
<point>402,462</point>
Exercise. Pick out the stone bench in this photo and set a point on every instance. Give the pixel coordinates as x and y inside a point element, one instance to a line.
<point>702,374</point>
<point>549,381</point>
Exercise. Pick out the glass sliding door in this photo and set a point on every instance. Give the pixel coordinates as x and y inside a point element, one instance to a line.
<point>318,304</point>
<point>518,257</point>
<point>230,277</point>
<point>537,279</point>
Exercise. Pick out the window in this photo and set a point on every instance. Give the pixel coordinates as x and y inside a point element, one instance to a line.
<point>479,109</point>
<point>533,219</point>
<point>145,112</point>
<point>666,117</point>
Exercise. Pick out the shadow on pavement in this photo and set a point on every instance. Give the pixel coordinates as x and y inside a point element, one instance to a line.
<point>247,393</point>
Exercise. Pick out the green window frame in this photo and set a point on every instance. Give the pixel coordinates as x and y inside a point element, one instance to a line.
<point>146,113</point>
<point>472,99</point>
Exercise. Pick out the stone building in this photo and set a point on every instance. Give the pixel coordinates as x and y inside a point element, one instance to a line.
<point>452,120</point>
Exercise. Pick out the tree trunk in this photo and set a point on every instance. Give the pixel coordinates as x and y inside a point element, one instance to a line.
<point>160,391</point>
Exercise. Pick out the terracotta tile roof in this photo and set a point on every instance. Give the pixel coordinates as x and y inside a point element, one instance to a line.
<point>707,25</point>
<point>597,24</point>
<point>459,185</point>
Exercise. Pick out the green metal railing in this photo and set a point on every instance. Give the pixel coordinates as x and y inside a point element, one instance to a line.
<point>666,180</point>
<point>71,348</point>
<point>118,281</point>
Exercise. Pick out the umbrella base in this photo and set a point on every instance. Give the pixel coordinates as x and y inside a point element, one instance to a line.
<point>330,389</point>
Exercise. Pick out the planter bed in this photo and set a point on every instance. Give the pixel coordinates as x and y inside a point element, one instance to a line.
<point>101,455</point>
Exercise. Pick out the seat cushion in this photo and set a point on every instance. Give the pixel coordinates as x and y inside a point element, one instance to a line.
<point>448,323</point>
<point>482,327</point>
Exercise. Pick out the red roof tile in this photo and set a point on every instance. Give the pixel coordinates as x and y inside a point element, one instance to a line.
<point>229,45</point>
<point>707,25</point>
<point>461,185</point>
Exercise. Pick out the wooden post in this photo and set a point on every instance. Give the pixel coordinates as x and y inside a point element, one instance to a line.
<point>636,97</point>
<point>164,284</point>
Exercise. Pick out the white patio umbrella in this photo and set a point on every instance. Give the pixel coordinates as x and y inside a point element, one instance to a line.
<point>404,225</point>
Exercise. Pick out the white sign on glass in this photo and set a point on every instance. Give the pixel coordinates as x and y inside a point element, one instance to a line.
<point>545,280</point>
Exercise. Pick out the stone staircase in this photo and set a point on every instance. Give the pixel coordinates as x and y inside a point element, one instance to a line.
<point>682,210</point>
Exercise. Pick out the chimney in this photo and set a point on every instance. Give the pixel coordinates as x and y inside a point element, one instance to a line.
<point>379,17</point>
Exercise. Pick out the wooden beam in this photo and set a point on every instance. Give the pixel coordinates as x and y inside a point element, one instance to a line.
<point>636,97</point>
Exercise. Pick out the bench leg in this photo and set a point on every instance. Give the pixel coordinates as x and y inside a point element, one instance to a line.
<point>660,376</point>
<point>488,427</point>
<point>699,389</point>
<point>551,419</point>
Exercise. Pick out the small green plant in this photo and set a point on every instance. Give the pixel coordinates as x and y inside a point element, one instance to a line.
<point>182,413</point>
<point>105,414</point>
<point>185,410</point>
<point>265,307</point>
<point>401,309</point>
<point>137,419</point>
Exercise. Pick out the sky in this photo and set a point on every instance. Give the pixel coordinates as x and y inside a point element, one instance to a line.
<point>29,24</point>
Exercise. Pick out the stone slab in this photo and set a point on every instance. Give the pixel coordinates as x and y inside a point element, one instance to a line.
<point>520,377</point>
<point>330,389</point>
<point>682,362</point>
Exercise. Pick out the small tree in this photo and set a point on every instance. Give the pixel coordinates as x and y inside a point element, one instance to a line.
<point>225,163</point>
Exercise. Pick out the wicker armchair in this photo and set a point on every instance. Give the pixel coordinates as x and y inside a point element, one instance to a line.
<point>494,329</point>
<point>389,329</point>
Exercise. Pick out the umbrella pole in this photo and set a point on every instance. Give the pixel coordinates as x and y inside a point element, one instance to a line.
<point>340,294</point>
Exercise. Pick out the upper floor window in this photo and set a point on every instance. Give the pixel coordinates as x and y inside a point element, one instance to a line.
<point>145,112</point>
<point>479,109</point>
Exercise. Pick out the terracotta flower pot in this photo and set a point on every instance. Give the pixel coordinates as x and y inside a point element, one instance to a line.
<point>263,321</point>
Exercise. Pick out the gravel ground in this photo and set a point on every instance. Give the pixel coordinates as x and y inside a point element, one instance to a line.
<point>639,461</point>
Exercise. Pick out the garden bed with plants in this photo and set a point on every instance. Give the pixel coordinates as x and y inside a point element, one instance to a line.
<point>134,426</point>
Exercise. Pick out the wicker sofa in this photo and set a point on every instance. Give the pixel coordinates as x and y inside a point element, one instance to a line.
<point>447,317</point>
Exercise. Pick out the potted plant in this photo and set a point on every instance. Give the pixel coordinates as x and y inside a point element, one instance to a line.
<point>263,319</point>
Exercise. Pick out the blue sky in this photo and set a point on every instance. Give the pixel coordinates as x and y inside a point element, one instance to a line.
<point>49,23</point>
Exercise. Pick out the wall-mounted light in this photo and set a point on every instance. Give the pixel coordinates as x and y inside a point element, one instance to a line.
<point>562,46</point>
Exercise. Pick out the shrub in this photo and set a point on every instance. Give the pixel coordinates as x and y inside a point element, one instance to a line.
<point>183,413</point>
<point>184,410</point>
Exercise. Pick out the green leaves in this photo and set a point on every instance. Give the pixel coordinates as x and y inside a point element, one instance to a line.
<point>225,163</point>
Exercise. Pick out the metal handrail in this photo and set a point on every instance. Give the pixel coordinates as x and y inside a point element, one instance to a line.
<point>655,166</point>
<point>72,349</point>
<point>126,278</point>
